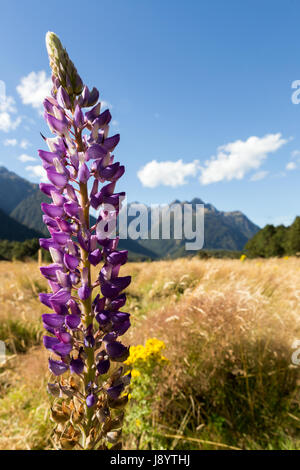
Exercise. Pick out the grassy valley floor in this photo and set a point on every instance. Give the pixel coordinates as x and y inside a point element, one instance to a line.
<point>226,377</point>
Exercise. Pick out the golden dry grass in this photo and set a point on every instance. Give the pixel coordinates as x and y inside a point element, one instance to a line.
<point>207,311</point>
<point>229,327</point>
<point>19,288</point>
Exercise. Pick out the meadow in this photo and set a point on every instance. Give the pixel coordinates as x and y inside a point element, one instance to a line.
<point>217,372</point>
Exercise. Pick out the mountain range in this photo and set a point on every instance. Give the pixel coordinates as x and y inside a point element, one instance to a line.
<point>21,219</point>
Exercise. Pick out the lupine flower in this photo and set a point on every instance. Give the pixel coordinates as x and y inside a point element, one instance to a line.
<point>83,335</point>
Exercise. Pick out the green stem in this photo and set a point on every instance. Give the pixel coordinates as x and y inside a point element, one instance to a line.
<point>88,316</point>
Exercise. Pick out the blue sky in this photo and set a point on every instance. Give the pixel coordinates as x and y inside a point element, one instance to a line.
<point>200,92</point>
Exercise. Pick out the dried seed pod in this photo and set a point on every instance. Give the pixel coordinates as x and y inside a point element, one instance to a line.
<point>103,414</point>
<point>54,390</point>
<point>117,446</point>
<point>107,426</point>
<point>68,444</point>
<point>118,403</point>
<point>114,436</point>
<point>68,391</point>
<point>117,422</point>
<point>58,416</point>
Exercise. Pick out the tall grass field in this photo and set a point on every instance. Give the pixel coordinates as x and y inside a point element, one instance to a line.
<point>211,358</point>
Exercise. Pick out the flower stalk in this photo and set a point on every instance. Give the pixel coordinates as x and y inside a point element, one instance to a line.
<point>85,321</point>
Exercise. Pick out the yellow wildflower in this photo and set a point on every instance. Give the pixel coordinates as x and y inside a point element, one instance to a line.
<point>140,353</point>
<point>135,373</point>
<point>164,359</point>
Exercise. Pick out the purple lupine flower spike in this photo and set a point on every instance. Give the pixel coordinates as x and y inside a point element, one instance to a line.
<point>83,335</point>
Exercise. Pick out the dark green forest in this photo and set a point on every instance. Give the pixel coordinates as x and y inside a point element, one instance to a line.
<point>275,241</point>
<point>13,250</point>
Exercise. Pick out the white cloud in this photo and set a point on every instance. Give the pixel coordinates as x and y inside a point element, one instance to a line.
<point>7,104</point>
<point>235,159</point>
<point>10,142</point>
<point>24,144</point>
<point>37,171</point>
<point>295,153</point>
<point>26,158</point>
<point>34,88</point>
<point>7,107</point>
<point>7,124</point>
<point>2,90</point>
<point>259,175</point>
<point>106,104</point>
<point>291,166</point>
<point>167,173</point>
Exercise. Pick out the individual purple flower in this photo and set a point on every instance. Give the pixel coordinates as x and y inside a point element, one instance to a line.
<point>62,349</point>
<point>57,367</point>
<point>52,210</point>
<point>78,117</point>
<point>116,390</point>
<point>70,261</point>
<point>117,351</point>
<point>76,366</point>
<point>113,288</point>
<point>84,292</point>
<point>90,400</point>
<point>83,173</point>
<point>96,152</point>
<point>71,209</point>
<point>89,341</point>
<point>58,126</point>
<point>59,180</point>
<point>95,256</point>
<point>93,113</point>
<point>103,366</point>
<point>47,188</point>
<point>63,98</point>
<point>53,319</point>
<point>72,321</point>
<point>60,238</point>
<point>50,272</point>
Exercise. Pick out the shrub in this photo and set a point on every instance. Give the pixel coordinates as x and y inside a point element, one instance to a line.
<point>148,362</point>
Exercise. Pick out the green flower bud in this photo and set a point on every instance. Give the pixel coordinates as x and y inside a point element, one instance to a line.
<point>62,66</point>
